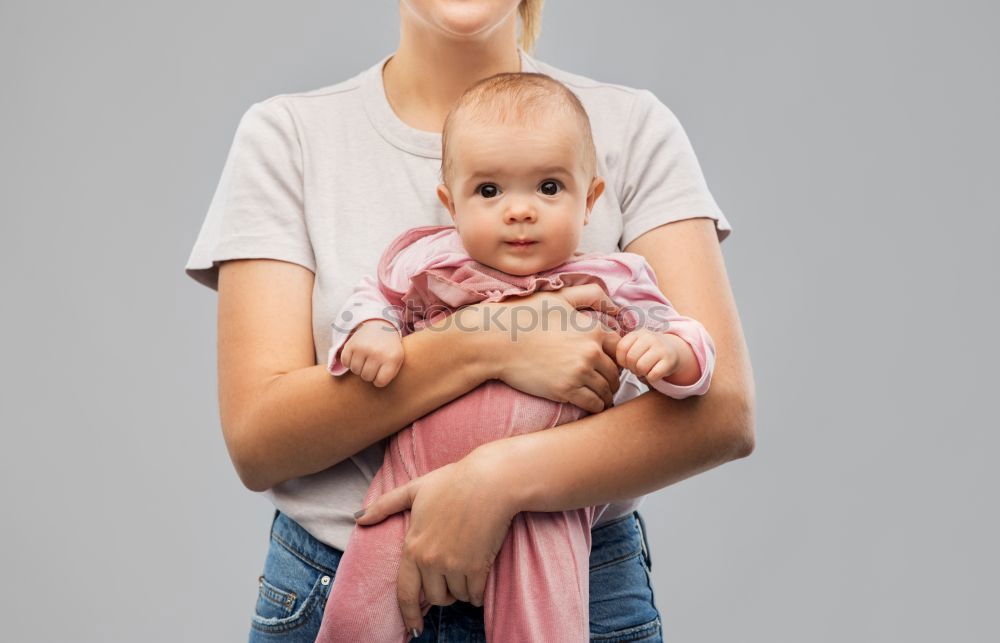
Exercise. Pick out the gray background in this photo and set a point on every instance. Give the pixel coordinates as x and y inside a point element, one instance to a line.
<point>853,145</point>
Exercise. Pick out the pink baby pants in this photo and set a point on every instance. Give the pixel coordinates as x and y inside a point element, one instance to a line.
<point>538,588</point>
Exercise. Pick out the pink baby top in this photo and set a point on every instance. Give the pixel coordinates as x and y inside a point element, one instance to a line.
<point>425,273</point>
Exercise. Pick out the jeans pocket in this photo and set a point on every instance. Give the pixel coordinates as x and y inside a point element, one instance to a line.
<point>272,601</point>
<point>292,594</point>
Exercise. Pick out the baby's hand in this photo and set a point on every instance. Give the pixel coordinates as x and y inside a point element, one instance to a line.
<point>374,352</point>
<point>650,355</point>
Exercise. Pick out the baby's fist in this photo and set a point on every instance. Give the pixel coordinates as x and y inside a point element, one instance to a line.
<point>648,354</point>
<point>374,352</point>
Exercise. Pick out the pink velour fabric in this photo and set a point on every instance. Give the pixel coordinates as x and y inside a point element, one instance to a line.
<point>538,587</point>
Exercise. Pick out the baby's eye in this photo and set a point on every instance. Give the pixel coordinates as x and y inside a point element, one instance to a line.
<point>550,188</point>
<point>488,190</point>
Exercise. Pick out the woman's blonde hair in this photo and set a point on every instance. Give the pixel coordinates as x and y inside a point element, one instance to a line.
<point>531,22</point>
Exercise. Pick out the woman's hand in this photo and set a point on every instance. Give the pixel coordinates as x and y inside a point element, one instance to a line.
<point>459,517</point>
<point>543,346</point>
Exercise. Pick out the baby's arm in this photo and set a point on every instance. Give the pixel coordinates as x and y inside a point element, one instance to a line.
<point>674,353</point>
<point>374,351</point>
<point>367,337</point>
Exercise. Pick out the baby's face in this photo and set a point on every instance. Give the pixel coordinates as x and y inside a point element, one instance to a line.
<point>512,184</point>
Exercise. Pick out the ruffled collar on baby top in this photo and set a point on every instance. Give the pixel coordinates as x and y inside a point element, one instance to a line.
<point>426,273</point>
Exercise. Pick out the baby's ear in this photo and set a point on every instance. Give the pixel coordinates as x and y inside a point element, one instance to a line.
<point>444,195</point>
<point>595,191</point>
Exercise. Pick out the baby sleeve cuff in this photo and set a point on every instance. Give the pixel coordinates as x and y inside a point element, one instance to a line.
<point>704,352</point>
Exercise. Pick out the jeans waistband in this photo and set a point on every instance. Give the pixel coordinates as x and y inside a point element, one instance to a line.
<point>300,542</point>
<point>618,538</point>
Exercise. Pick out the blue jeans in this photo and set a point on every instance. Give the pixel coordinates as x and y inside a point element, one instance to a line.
<point>299,571</point>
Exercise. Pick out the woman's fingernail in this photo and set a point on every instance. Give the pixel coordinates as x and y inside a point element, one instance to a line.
<point>414,632</point>
<point>359,513</point>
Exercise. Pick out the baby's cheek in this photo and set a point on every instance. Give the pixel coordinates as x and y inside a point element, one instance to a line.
<point>468,229</point>
<point>480,241</point>
<point>568,239</point>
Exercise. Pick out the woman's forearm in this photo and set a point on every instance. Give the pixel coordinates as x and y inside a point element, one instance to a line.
<point>306,420</point>
<point>626,451</point>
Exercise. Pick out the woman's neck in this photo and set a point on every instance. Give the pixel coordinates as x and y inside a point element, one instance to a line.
<point>427,73</point>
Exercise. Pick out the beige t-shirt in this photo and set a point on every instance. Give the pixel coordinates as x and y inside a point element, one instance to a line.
<point>327,178</point>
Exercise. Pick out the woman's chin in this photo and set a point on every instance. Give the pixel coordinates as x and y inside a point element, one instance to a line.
<point>469,21</point>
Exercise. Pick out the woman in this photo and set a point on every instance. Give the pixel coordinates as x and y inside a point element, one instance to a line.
<point>315,185</point>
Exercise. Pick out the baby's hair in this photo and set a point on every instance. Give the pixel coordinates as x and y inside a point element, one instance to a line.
<point>517,97</point>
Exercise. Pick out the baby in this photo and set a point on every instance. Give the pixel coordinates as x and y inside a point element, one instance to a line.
<point>519,180</point>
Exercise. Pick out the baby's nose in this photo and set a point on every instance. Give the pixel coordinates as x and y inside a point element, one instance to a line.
<point>520,212</point>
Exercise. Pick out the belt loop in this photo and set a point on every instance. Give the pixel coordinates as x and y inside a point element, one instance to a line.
<point>644,540</point>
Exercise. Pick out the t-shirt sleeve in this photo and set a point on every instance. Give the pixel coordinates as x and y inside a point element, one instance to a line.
<point>257,210</point>
<point>660,179</point>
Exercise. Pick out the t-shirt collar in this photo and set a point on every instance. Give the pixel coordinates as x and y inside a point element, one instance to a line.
<point>388,124</point>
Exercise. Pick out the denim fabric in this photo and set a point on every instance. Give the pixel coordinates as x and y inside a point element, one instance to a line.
<point>299,571</point>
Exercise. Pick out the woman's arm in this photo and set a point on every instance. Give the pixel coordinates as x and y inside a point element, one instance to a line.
<point>283,416</point>
<point>652,441</point>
